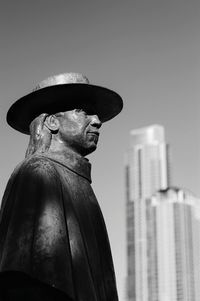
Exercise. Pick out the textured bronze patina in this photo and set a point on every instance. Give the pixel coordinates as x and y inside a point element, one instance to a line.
<point>53,240</point>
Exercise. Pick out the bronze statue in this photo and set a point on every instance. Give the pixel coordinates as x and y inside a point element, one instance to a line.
<point>53,240</point>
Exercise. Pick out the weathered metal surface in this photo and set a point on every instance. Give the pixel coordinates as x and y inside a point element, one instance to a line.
<point>53,239</point>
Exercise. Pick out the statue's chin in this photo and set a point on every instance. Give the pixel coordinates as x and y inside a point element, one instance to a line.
<point>89,150</point>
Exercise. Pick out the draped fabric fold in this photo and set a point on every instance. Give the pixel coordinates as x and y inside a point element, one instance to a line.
<point>52,229</point>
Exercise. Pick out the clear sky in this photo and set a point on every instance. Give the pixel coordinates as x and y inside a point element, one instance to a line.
<point>146,50</point>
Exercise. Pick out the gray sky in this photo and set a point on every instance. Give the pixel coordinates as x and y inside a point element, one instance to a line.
<point>146,50</point>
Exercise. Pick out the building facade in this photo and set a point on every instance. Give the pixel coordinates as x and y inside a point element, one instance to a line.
<point>163,225</point>
<point>173,242</point>
<point>147,170</point>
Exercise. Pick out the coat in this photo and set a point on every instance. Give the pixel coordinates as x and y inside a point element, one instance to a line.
<point>52,228</point>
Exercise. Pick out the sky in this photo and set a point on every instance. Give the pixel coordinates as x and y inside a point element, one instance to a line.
<point>145,50</point>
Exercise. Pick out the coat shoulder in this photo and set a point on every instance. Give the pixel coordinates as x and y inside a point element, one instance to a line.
<point>36,165</point>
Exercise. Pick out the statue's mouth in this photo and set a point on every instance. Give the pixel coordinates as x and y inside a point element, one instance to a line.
<point>96,133</point>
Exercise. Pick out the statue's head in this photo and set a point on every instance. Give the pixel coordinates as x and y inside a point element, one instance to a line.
<point>65,108</point>
<point>74,129</point>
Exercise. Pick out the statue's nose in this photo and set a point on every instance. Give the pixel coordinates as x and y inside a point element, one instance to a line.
<point>95,121</point>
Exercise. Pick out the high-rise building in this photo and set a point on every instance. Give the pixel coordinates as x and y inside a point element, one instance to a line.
<point>173,246</point>
<point>163,225</point>
<point>147,170</point>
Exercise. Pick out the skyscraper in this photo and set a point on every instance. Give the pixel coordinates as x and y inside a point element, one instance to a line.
<point>173,244</point>
<point>147,170</point>
<point>163,225</point>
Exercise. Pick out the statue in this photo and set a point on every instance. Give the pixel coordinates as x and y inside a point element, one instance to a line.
<point>53,240</point>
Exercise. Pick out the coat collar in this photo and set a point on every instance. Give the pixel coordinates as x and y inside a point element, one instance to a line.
<point>72,161</point>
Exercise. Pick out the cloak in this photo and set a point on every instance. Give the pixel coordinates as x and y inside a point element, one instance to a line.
<point>52,229</point>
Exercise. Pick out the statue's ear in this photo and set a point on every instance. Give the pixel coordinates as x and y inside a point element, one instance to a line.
<point>52,123</point>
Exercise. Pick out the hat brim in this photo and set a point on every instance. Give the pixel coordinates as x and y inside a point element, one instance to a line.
<point>59,98</point>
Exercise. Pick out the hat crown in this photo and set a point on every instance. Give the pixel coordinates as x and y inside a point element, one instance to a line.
<point>62,79</point>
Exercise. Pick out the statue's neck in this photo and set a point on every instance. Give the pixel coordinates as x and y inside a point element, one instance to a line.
<point>72,160</point>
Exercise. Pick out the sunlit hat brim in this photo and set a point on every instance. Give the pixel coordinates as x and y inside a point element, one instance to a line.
<point>59,98</point>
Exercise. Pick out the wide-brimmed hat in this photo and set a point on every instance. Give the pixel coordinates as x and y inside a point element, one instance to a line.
<point>61,93</point>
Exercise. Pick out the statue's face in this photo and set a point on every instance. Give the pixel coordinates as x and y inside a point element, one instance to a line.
<point>79,131</point>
